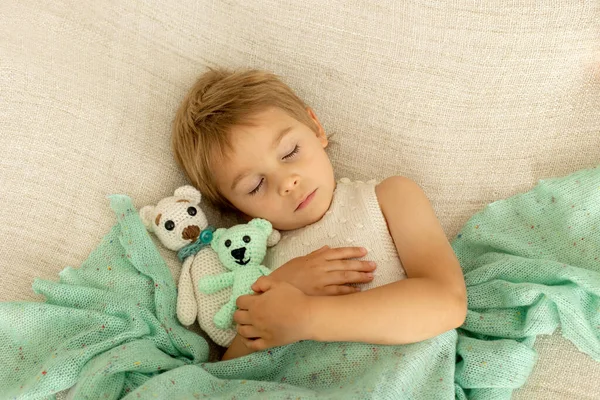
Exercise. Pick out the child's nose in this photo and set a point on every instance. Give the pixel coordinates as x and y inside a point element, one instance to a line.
<point>289,184</point>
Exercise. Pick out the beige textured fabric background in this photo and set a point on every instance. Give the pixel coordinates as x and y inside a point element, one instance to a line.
<point>475,101</point>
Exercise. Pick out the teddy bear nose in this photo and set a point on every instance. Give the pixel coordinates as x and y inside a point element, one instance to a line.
<point>191,233</point>
<point>238,254</point>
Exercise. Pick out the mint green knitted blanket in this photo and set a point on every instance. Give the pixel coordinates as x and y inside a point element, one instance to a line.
<point>108,329</point>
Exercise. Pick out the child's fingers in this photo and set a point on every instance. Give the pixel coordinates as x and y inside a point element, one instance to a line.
<point>247,342</point>
<point>254,344</point>
<point>338,290</point>
<point>255,287</point>
<point>262,284</point>
<point>244,302</point>
<point>242,317</point>
<point>321,250</point>
<point>350,266</point>
<point>342,253</point>
<point>344,277</point>
<point>248,331</point>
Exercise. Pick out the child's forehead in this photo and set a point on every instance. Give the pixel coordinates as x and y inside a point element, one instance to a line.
<point>257,136</point>
<point>266,115</point>
<point>249,141</point>
<point>269,122</point>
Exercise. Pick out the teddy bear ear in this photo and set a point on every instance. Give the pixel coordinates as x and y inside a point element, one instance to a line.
<point>214,243</point>
<point>273,238</point>
<point>147,215</point>
<point>190,193</point>
<point>262,224</point>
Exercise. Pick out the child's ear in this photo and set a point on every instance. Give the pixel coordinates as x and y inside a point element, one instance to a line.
<point>320,131</point>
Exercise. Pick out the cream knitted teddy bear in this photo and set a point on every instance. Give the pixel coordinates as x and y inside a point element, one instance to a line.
<point>180,225</point>
<point>178,222</point>
<point>241,250</point>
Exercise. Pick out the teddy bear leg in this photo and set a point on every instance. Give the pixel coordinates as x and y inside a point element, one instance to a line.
<point>224,317</point>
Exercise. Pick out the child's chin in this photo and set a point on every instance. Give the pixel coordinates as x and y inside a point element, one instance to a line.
<point>315,216</point>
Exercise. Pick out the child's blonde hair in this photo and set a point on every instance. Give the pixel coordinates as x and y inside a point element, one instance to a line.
<point>219,100</point>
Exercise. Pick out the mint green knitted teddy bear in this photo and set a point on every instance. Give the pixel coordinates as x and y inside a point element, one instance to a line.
<point>241,249</point>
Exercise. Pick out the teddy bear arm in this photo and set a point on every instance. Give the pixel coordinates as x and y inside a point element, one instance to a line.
<point>186,299</point>
<point>265,271</point>
<point>239,291</point>
<point>214,283</point>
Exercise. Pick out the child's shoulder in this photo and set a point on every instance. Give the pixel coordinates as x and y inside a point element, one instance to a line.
<point>396,185</point>
<point>402,201</point>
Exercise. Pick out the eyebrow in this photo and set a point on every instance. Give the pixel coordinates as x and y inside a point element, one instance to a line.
<point>276,142</point>
<point>280,136</point>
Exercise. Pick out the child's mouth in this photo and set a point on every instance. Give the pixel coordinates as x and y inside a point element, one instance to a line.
<point>306,201</point>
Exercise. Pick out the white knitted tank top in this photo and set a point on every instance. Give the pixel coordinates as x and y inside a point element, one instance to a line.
<point>354,219</point>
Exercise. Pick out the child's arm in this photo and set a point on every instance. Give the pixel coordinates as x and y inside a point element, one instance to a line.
<point>431,301</point>
<point>236,349</point>
<point>326,271</point>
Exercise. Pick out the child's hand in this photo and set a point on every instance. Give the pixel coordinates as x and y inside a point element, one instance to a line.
<point>326,271</point>
<point>278,315</point>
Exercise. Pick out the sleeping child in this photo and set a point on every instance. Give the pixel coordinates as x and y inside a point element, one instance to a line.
<point>357,261</point>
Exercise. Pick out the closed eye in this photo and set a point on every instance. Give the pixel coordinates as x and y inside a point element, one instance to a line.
<point>257,188</point>
<point>292,153</point>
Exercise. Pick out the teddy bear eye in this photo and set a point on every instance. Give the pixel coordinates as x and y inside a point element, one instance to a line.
<point>227,243</point>
<point>192,211</point>
<point>246,239</point>
<point>169,225</point>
